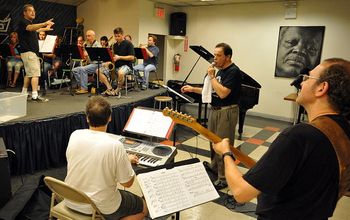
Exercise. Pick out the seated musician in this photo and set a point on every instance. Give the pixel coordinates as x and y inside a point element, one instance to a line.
<point>51,63</point>
<point>104,41</point>
<point>81,73</point>
<point>306,169</point>
<point>124,56</point>
<point>128,38</point>
<point>14,61</point>
<point>123,51</point>
<point>149,64</point>
<point>89,147</point>
<point>104,72</point>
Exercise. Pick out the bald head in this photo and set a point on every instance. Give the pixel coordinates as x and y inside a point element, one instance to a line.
<point>90,36</point>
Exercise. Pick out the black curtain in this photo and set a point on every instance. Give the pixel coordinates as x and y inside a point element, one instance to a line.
<point>42,144</point>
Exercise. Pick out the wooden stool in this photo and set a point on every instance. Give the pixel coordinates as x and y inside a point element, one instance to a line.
<point>163,99</point>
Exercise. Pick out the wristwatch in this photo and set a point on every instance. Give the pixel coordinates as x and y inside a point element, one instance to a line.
<point>228,153</point>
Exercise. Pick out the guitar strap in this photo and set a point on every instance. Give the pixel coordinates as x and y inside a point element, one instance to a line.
<point>341,145</point>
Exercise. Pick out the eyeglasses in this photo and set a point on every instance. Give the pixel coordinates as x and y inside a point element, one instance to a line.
<point>306,77</point>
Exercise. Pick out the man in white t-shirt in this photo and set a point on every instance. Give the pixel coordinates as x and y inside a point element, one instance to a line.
<point>97,161</point>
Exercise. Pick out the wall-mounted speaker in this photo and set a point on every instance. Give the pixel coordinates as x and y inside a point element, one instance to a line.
<point>178,23</point>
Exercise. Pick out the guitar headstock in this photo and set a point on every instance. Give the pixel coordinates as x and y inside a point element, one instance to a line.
<point>179,117</point>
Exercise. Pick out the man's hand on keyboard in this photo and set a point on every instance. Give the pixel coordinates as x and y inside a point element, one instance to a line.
<point>133,158</point>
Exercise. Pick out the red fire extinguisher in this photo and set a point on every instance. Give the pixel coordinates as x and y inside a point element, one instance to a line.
<point>177,62</point>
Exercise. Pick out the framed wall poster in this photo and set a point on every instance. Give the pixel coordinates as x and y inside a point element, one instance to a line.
<point>299,49</point>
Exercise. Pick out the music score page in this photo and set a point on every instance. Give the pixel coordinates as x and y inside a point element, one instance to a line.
<point>171,190</point>
<point>149,122</point>
<point>47,45</point>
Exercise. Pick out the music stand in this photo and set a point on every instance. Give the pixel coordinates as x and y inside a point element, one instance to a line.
<point>5,50</point>
<point>141,53</point>
<point>74,52</point>
<point>202,52</point>
<point>99,54</point>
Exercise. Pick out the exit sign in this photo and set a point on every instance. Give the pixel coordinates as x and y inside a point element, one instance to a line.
<point>160,12</point>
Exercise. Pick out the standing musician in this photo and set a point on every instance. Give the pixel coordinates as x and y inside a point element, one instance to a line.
<point>81,73</point>
<point>14,61</point>
<point>307,168</point>
<point>149,64</point>
<point>29,49</point>
<point>226,86</point>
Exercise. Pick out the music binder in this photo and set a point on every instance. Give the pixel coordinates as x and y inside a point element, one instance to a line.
<point>141,53</point>
<point>47,45</point>
<point>149,122</point>
<point>174,187</point>
<point>72,51</point>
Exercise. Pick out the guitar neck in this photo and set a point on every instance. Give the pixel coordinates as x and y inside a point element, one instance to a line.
<point>245,159</point>
<point>192,123</point>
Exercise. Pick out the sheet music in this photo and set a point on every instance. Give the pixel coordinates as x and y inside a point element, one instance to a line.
<point>47,45</point>
<point>183,96</point>
<point>149,122</point>
<point>176,189</point>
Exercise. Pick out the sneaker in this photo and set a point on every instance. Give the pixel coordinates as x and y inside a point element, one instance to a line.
<point>143,87</point>
<point>40,99</point>
<point>109,92</point>
<point>117,92</point>
<point>220,184</point>
<point>81,91</point>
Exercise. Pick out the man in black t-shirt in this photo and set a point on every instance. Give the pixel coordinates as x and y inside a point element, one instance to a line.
<point>124,55</point>
<point>29,49</point>
<point>299,176</point>
<point>226,88</point>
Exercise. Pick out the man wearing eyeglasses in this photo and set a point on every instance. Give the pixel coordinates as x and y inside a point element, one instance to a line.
<point>307,168</point>
<point>298,48</point>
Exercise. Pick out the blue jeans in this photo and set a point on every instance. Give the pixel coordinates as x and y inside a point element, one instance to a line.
<point>146,70</point>
<point>81,74</point>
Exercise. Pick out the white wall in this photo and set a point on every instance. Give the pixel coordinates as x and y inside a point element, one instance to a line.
<point>104,15</point>
<point>252,31</point>
<point>149,23</point>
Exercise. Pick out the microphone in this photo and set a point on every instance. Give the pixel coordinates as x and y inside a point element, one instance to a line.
<point>212,64</point>
<point>299,79</point>
<point>296,83</point>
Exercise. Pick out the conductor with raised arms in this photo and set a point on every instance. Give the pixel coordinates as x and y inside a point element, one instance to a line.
<point>29,49</point>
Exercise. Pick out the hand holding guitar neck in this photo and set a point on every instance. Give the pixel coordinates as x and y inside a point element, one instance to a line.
<point>191,122</point>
